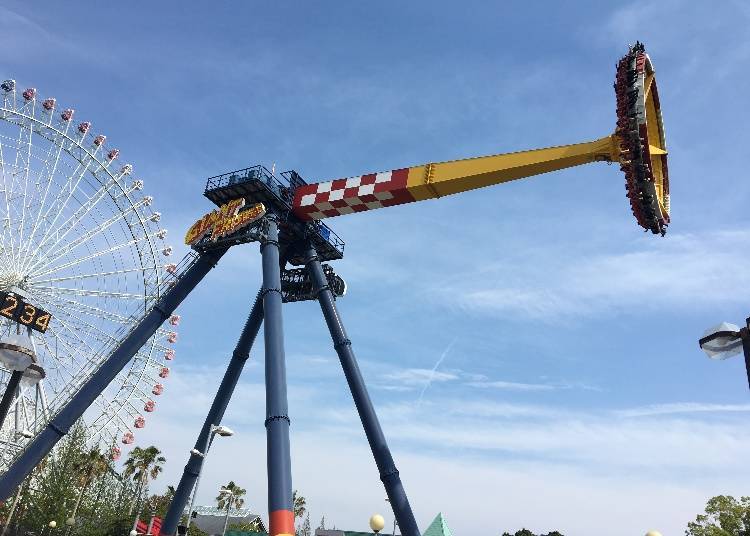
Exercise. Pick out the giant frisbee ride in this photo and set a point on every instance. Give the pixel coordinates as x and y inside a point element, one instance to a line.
<point>283,213</point>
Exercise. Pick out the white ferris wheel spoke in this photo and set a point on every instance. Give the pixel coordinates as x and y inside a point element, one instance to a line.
<point>6,223</point>
<point>72,222</point>
<point>72,182</point>
<point>100,293</point>
<point>96,255</point>
<point>76,241</point>
<point>93,233</point>
<point>50,177</point>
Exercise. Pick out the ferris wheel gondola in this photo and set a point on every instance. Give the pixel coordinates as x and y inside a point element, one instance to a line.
<point>81,247</point>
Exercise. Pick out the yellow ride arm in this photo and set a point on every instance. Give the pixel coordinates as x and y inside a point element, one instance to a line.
<point>428,181</point>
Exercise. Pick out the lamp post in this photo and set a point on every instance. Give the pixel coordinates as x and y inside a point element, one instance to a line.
<point>394,518</point>
<point>230,494</point>
<point>221,431</point>
<point>377,523</point>
<point>727,340</point>
<point>16,353</point>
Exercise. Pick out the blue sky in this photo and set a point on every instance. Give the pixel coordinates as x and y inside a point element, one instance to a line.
<point>570,392</point>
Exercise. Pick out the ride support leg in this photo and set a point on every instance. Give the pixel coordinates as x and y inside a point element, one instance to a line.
<point>382,454</point>
<point>95,385</point>
<point>278,459</point>
<point>194,465</point>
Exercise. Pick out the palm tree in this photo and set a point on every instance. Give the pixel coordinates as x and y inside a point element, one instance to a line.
<point>90,466</point>
<point>140,465</point>
<point>299,504</point>
<point>230,496</point>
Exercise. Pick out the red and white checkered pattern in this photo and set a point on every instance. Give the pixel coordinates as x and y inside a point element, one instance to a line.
<point>355,194</point>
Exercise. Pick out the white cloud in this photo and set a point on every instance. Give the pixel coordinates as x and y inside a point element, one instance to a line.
<point>513,386</point>
<point>487,465</point>
<point>419,377</point>
<point>682,407</point>
<point>686,270</point>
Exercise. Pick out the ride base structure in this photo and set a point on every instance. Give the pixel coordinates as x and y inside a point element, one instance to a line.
<point>283,214</point>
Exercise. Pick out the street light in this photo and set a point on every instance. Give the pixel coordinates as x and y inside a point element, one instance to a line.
<point>377,523</point>
<point>16,354</point>
<point>216,430</point>
<point>394,518</point>
<point>727,340</point>
<point>226,491</point>
<point>51,525</point>
<point>653,533</point>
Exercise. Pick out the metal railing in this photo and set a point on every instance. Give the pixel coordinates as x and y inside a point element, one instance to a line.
<point>282,188</point>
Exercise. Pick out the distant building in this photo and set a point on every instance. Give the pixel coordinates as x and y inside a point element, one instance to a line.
<point>211,520</point>
<point>438,527</point>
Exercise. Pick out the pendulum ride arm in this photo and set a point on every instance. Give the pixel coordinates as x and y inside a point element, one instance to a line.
<point>383,459</point>
<point>95,385</point>
<point>215,414</point>
<point>429,181</point>
<point>638,145</point>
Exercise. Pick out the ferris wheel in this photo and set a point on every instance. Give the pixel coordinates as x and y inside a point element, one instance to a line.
<point>82,259</point>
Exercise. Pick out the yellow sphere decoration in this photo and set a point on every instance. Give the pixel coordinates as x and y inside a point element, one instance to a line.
<point>377,523</point>
<point>653,533</point>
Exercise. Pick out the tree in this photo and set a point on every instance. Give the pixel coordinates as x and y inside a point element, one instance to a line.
<point>159,504</point>
<point>305,529</point>
<point>527,532</point>
<point>232,498</point>
<point>92,465</point>
<point>140,465</point>
<point>299,504</point>
<point>725,516</point>
<point>253,526</point>
<point>322,523</point>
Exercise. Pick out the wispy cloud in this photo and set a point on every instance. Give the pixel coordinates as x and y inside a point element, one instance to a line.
<point>670,273</point>
<point>434,370</point>
<point>682,407</point>
<point>418,377</point>
<point>513,386</point>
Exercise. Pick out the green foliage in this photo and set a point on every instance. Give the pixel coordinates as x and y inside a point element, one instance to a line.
<point>142,464</point>
<point>73,481</point>
<point>724,516</point>
<point>195,531</point>
<point>305,529</point>
<point>299,505</point>
<point>157,505</point>
<point>527,532</point>
<point>254,526</point>
<point>232,498</point>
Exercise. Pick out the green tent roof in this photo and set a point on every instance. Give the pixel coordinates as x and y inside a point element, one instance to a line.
<point>438,527</point>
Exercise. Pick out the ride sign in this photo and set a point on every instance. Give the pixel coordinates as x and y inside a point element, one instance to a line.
<point>224,221</point>
<point>16,309</point>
